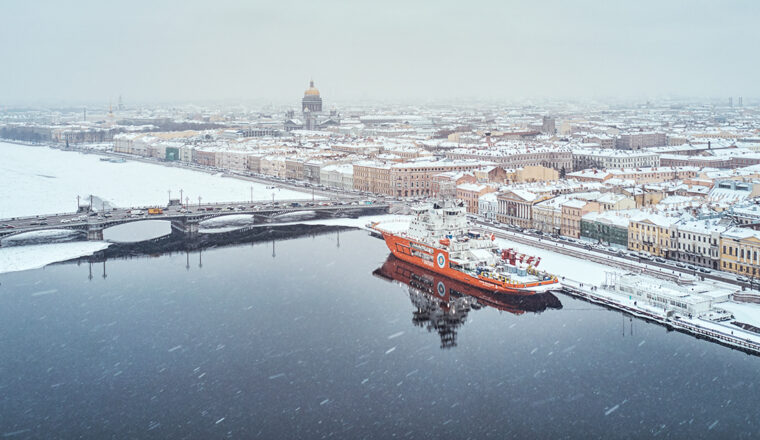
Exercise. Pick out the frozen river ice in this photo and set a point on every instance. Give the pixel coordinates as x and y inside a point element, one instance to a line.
<point>42,180</point>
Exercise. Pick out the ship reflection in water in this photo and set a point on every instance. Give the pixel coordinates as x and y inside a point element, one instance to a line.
<point>443,303</point>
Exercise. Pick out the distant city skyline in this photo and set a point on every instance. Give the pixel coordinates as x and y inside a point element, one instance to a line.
<point>236,51</point>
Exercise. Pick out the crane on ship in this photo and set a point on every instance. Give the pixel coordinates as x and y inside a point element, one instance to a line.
<point>513,256</point>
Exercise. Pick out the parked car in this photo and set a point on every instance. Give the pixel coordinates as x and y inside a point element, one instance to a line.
<point>691,266</point>
<point>679,264</point>
<point>704,270</point>
<point>660,260</point>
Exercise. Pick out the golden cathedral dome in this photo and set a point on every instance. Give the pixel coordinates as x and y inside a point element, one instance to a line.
<point>311,91</point>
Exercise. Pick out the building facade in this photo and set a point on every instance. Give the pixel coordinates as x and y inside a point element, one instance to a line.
<point>698,242</point>
<point>651,234</point>
<point>739,252</point>
<point>515,207</point>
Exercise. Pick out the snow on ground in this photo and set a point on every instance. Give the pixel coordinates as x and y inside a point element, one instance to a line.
<point>42,180</point>
<point>563,265</point>
<point>743,312</point>
<point>18,258</point>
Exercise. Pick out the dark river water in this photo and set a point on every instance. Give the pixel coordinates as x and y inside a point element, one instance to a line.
<point>313,341</point>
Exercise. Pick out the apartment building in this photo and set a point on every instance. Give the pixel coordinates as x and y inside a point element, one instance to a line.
<point>294,168</point>
<point>609,227</point>
<point>373,177</point>
<point>608,158</point>
<point>488,206</point>
<point>698,242</point>
<point>547,215</point>
<point>739,251</point>
<point>234,160</point>
<point>639,140</point>
<point>572,213</point>
<point>414,179</point>
<point>470,194</point>
<point>517,156</point>
<point>338,176</point>
<point>653,234</point>
<point>445,184</point>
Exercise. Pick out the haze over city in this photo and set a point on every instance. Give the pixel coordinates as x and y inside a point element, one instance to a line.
<point>81,52</point>
<point>379,219</point>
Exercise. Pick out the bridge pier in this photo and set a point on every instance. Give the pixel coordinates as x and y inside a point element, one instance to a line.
<point>94,234</point>
<point>186,226</point>
<point>191,228</point>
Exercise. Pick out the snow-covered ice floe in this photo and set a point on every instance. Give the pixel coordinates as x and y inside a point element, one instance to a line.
<point>44,236</point>
<point>299,215</point>
<point>227,220</point>
<point>18,258</point>
<point>387,221</point>
<point>390,222</point>
<point>226,223</point>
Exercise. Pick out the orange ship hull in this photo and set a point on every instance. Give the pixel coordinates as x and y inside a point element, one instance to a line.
<point>437,260</point>
<point>442,288</point>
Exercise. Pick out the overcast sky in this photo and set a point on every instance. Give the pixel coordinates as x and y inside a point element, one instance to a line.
<point>246,50</point>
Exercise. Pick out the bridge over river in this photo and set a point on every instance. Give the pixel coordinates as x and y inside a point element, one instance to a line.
<point>187,219</point>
